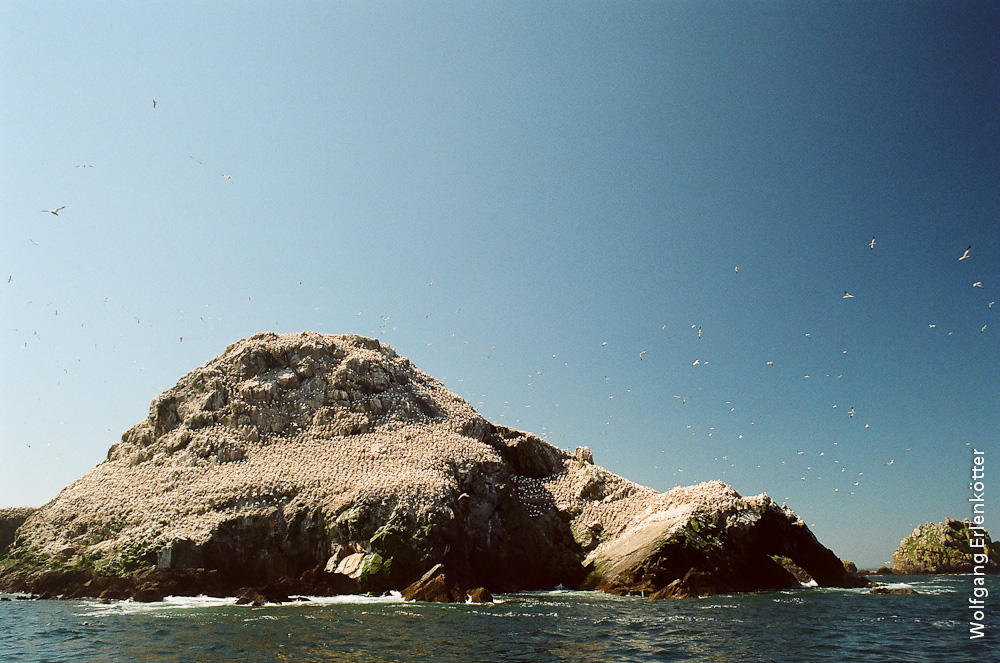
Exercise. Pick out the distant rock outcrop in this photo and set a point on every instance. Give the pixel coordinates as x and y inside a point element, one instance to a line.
<point>310,463</point>
<point>948,547</point>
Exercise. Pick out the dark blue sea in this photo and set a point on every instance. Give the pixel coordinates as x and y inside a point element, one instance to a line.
<point>804,625</point>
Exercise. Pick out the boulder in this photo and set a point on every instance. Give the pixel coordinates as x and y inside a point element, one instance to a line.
<point>892,590</point>
<point>434,587</point>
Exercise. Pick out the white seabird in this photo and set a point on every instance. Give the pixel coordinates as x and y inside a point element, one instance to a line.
<point>967,252</point>
<point>54,211</point>
<point>848,295</point>
<point>872,245</point>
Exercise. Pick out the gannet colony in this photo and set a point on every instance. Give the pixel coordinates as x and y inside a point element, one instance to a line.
<point>297,457</point>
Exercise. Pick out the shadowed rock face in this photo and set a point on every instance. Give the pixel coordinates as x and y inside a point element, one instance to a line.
<point>10,520</point>
<point>303,458</point>
<point>948,547</point>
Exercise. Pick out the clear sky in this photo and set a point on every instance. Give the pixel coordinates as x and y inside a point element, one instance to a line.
<point>523,198</point>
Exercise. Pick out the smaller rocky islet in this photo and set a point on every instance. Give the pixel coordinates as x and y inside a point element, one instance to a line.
<point>947,547</point>
<point>311,463</point>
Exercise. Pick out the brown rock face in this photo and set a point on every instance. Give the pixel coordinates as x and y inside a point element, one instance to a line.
<point>310,463</point>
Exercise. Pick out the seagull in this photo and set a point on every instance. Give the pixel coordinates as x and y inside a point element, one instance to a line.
<point>54,211</point>
<point>977,284</point>
<point>84,165</point>
<point>991,304</point>
<point>967,252</point>
<point>983,329</point>
<point>931,326</point>
<point>872,245</point>
<point>736,269</point>
<point>154,103</point>
<point>641,354</point>
<point>195,160</point>
<point>851,412</point>
<point>699,332</point>
<point>891,462</point>
<point>227,177</point>
<point>848,295</point>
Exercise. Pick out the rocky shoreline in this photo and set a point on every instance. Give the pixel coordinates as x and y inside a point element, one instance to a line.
<point>310,464</point>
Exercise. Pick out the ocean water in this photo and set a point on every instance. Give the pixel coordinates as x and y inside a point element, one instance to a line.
<point>804,625</point>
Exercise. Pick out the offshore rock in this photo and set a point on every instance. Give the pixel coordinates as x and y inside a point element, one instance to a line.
<point>948,547</point>
<point>298,464</point>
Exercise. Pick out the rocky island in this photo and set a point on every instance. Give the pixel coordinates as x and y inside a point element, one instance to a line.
<point>319,464</point>
<point>944,548</point>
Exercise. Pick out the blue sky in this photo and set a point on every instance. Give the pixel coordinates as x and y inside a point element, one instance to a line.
<point>522,198</point>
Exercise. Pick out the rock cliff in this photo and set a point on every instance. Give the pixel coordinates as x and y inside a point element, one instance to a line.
<point>944,548</point>
<point>10,520</point>
<point>309,462</point>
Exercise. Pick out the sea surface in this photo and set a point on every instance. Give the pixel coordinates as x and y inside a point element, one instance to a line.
<point>811,624</point>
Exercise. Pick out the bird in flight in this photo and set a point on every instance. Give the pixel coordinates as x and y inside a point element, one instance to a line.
<point>227,177</point>
<point>848,295</point>
<point>154,103</point>
<point>967,252</point>
<point>195,160</point>
<point>641,354</point>
<point>54,211</point>
<point>872,245</point>
<point>84,165</point>
<point>851,412</point>
<point>977,284</point>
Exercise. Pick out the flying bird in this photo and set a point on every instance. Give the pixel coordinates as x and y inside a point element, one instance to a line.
<point>736,269</point>
<point>851,412</point>
<point>84,165</point>
<point>872,245</point>
<point>227,177</point>
<point>641,354</point>
<point>195,160</point>
<point>848,295</point>
<point>154,103</point>
<point>54,211</point>
<point>967,252</point>
<point>977,284</point>
<point>983,329</point>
